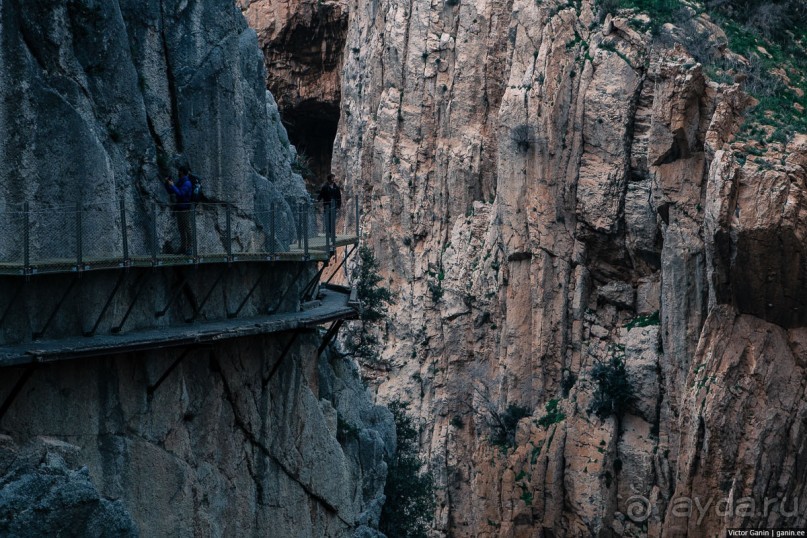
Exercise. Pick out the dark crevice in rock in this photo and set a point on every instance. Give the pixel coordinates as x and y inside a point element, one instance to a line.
<point>519,256</point>
<point>172,88</point>
<point>303,63</point>
<point>764,273</point>
<point>250,436</point>
<point>158,144</point>
<point>663,211</point>
<point>29,41</point>
<point>678,150</point>
<point>698,448</point>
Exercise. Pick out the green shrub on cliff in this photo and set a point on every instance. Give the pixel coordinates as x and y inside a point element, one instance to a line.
<point>374,299</point>
<point>770,34</point>
<point>644,321</point>
<point>504,425</point>
<point>409,508</point>
<point>614,392</point>
<point>553,414</point>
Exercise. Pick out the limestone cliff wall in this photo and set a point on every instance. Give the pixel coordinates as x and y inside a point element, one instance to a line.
<point>97,100</point>
<point>228,442</point>
<point>538,183</point>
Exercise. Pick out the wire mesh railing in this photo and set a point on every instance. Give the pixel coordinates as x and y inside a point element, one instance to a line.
<point>75,238</point>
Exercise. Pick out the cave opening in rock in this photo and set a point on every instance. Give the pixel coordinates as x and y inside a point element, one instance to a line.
<point>303,46</point>
<point>312,129</point>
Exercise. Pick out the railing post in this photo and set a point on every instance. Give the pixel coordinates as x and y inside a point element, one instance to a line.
<point>229,239</point>
<point>194,244</point>
<point>326,222</point>
<point>26,249</point>
<point>273,228</point>
<point>153,234</point>
<point>299,216</point>
<point>304,217</point>
<point>356,197</point>
<point>78,237</point>
<point>124,233</point>
<point>332,220</point>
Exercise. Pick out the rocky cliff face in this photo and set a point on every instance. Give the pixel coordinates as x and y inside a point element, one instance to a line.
<point>229,442</point>
<point>549,191</point>
<point>302,44</point>
<point>96,100</point>
<point>100,97</point>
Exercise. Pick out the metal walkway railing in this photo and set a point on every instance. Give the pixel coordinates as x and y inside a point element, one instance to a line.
<point>64,239</point>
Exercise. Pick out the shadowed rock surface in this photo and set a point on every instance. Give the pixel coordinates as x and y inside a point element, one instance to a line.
<point>44,492</point>
<point>97,99</point>
<point>100,97</point>
<point>228,443</point>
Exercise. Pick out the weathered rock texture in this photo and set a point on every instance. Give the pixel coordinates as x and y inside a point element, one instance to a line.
<point>303,44</point>
<point>96,98</point>
<point>45,492</point>
<point>535,180</point>
<point>228,443</point>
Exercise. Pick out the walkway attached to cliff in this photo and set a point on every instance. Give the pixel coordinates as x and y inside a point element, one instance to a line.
<point>72,243</point>
<point>78,238</point>
<point>335,303</point>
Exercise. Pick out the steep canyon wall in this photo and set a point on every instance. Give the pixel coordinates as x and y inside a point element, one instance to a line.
<point>98,100</point>
<point>549,190</point>
<point>216,440</point>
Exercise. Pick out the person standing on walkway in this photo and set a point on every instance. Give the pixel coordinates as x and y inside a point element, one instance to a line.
<point>182,192</point>
<point>331,197</point>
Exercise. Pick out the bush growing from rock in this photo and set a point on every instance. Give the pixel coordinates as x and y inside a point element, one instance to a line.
<point>504,424</point>
<point>614,392</point>
<point>374,299</point>
<point>409,508</point>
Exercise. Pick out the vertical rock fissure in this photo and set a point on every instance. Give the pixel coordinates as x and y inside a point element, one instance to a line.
<point>172,87</point>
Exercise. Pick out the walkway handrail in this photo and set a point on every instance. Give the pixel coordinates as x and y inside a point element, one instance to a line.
<point>75,238</point>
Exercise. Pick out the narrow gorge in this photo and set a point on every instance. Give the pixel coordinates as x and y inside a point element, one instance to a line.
<point>592,215</point>
<point>555,189</point>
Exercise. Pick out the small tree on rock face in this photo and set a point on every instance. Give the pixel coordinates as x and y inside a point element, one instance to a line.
<point>613,393</point>
<point>503,425</point>
<point>500,418</point>
<point>374,299</point>
<point>409,508</point>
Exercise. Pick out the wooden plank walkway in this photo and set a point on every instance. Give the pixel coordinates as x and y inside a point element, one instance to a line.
<point>336,303</point>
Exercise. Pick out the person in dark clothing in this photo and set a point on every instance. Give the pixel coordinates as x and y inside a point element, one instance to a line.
<point>331,197</point>
<point>181,192</point>
<point>330,191</point>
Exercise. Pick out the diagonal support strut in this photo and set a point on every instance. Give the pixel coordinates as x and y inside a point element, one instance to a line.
<point>329,335</point>
<point>23,379</point>
<point>37,335</point>
<point>118,284</point>
<point>139,287</point>
<point>197,309</point>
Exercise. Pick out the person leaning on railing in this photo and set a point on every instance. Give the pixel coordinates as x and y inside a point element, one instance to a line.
<point>181,192</point>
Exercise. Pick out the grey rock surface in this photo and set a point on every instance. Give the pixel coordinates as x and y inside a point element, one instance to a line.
<point>229,443</point>
<point>97,100</point>
<point>45,492</point>
<point>101,97</point>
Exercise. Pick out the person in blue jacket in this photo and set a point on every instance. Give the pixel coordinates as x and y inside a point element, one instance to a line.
<point>181,193</point>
